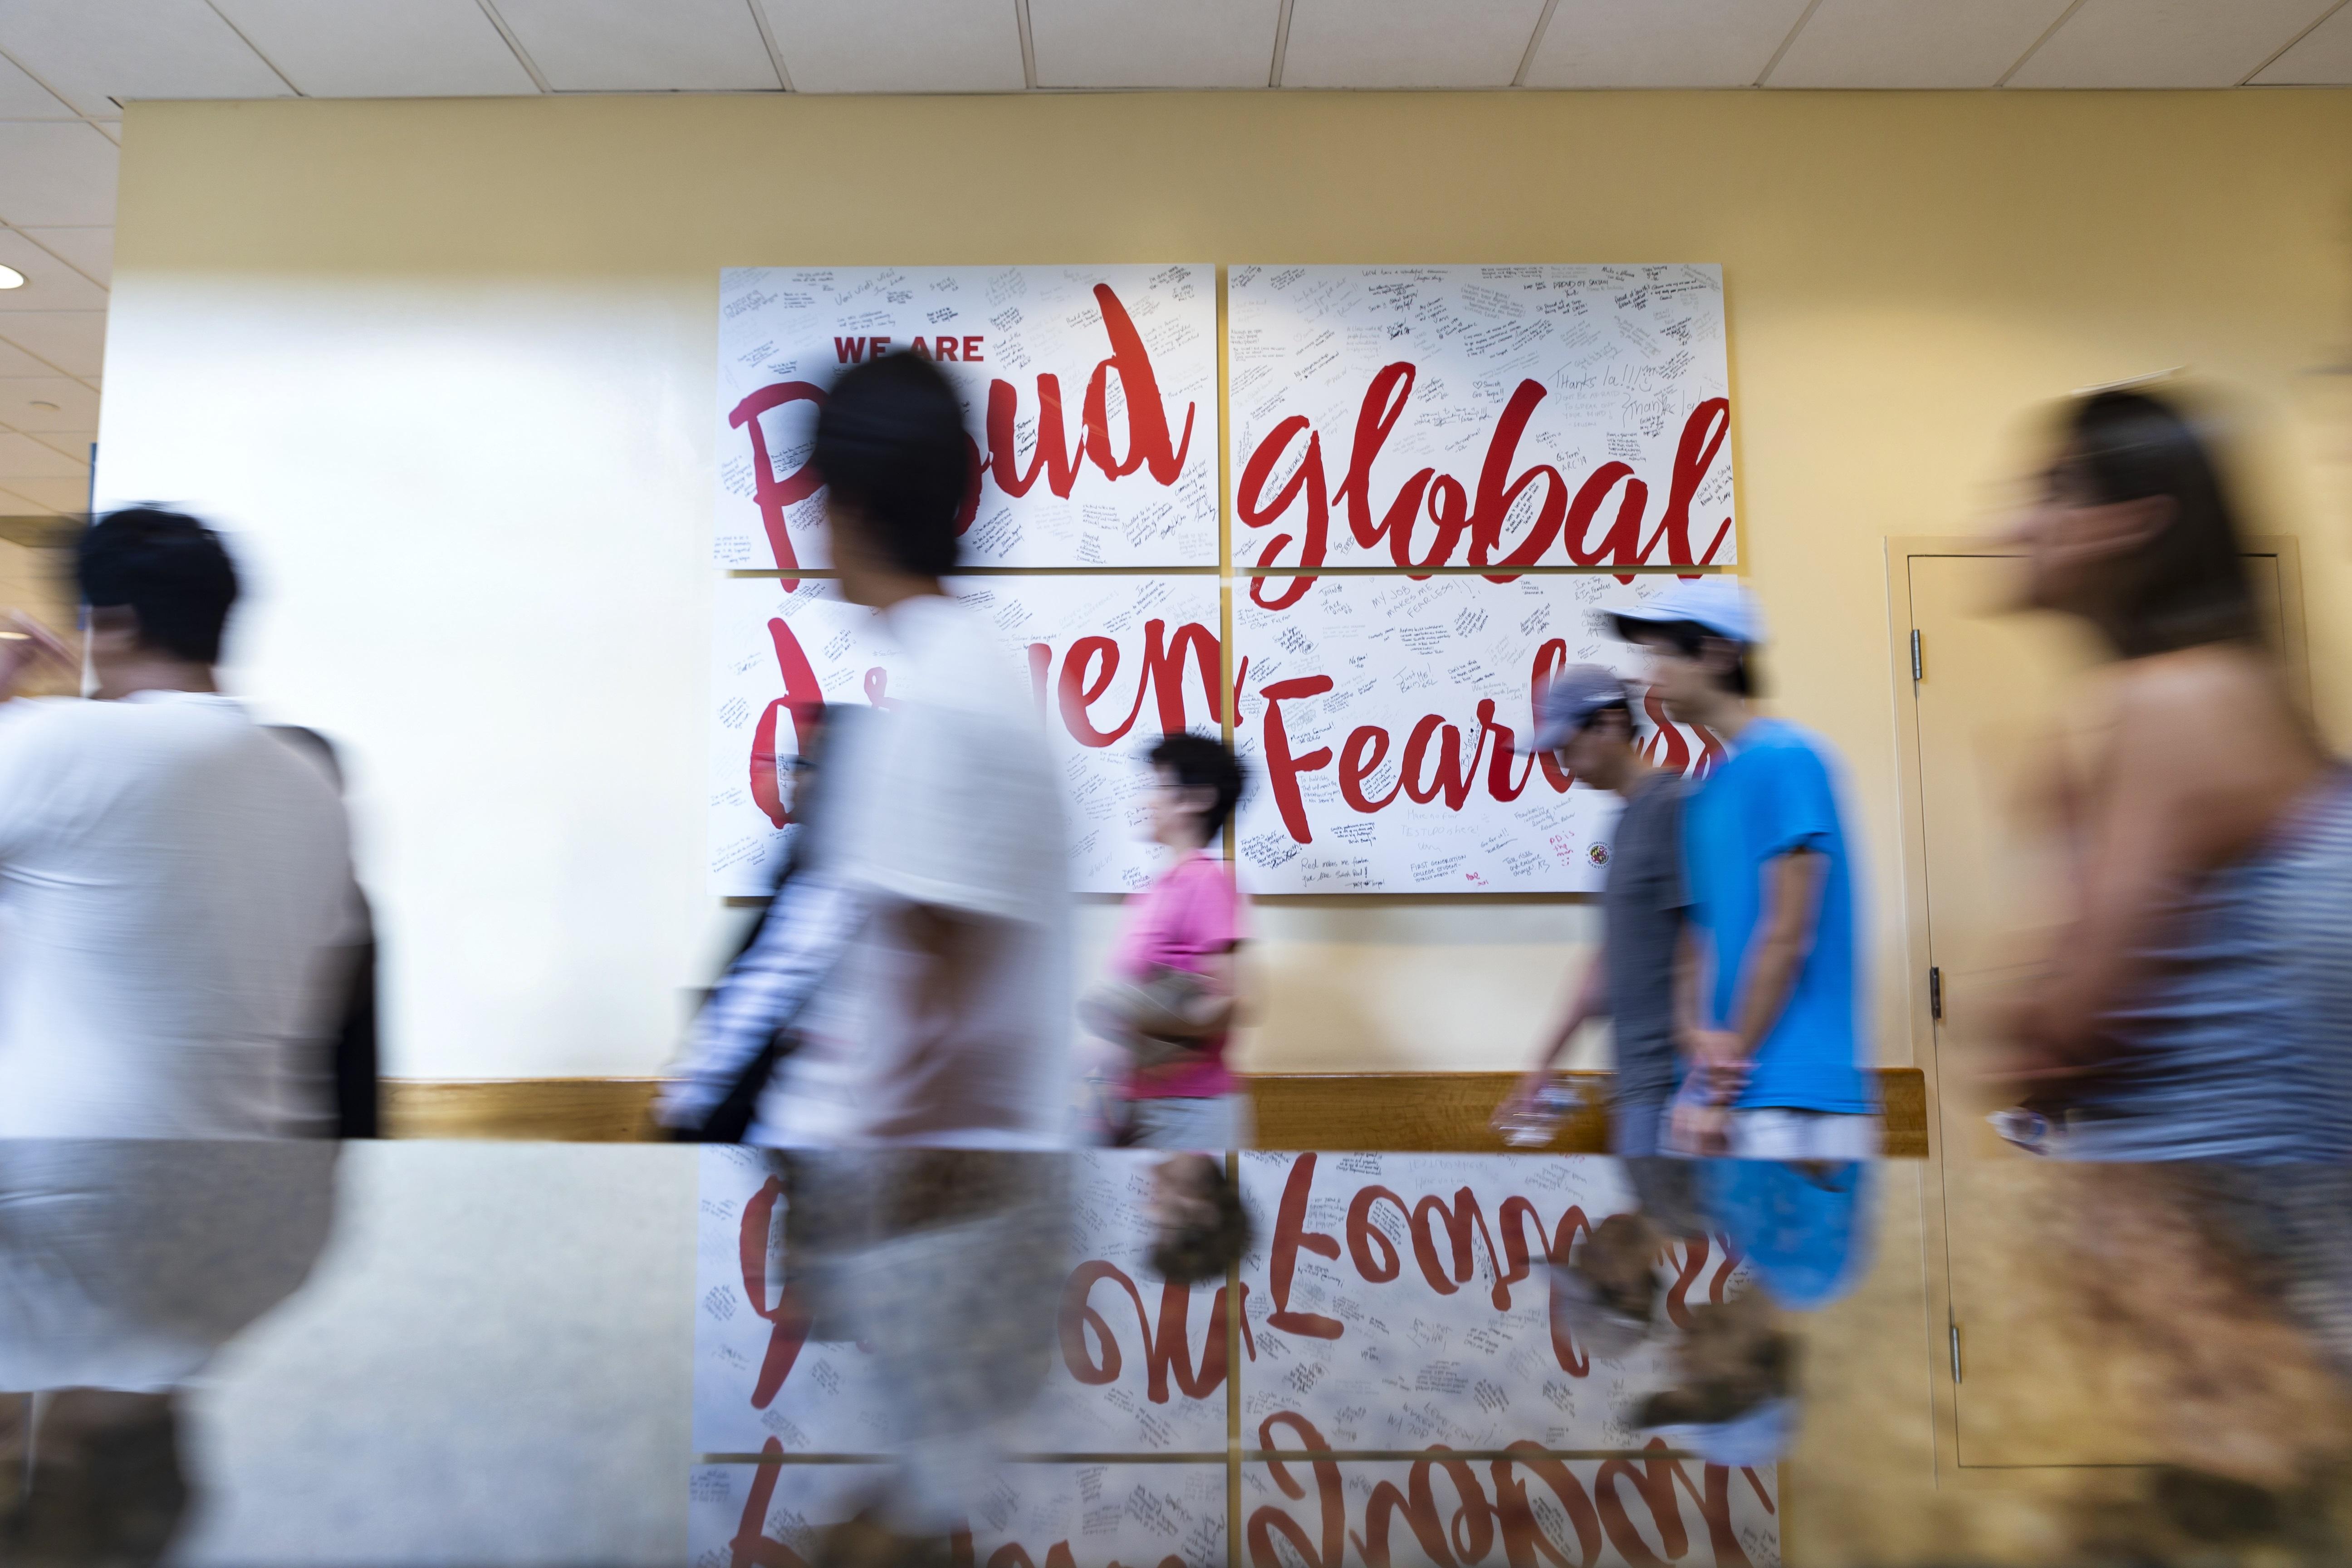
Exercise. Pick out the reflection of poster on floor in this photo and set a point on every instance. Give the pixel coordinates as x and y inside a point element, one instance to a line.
<point>1089,396</point>
<point>1113,660</point>
<point>1387,724</point>
<point>1400,1365</point>
<point>1476,415</point>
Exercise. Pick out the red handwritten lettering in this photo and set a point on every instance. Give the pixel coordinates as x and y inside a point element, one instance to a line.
<point>1151,445</point>
<point>1290,1236</point>
<point>1167,1348</point>
<point>1479,514</point>
<point>751,1547</point>
<point>1282,767</point>
<point>1270,1520</point>
<point>789,1323</point>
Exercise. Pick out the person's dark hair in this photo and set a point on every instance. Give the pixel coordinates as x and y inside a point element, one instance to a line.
<point>169,568</point>
<point>2187,585</point>
<point>1202,762</point>
<point>891,443</point>
<point>1686,639</point>
<point>1622,710</point>
<point>1188,1255</point>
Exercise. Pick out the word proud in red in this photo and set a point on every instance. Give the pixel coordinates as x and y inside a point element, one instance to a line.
<point>1476,511</point>
<point>1150,446</point>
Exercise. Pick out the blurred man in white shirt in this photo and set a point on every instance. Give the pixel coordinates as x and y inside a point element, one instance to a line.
<point>929,1097</point>
<point>175,893</point>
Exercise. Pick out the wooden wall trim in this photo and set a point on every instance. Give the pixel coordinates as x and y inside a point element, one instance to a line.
<point>1419,1112</point>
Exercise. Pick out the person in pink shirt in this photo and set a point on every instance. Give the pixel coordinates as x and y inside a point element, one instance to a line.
<point>1190,921</point>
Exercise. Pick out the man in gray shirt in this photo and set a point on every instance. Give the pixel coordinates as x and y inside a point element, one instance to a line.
<point>1587,716</point>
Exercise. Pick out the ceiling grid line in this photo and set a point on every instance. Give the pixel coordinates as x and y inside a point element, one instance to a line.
<point>258,52</point>
<point>1281,44</point>
<point>2034,48</point>
<point>2317,22</point>
<point>1774,63</point>
<point>768,39</point>
<point>1535,42</point>
<point>1028,45</point>
<point>521,55</point>
<point>64,261</point>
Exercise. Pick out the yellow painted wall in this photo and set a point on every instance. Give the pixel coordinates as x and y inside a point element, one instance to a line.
<point>447,365</point>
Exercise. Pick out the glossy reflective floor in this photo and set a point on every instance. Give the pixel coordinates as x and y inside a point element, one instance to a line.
<point>516,1353</point>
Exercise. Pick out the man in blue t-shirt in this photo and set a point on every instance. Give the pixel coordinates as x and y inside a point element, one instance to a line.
<point>1767,983</point>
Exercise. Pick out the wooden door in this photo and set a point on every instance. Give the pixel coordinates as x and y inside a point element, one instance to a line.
<point>2038,1380</point>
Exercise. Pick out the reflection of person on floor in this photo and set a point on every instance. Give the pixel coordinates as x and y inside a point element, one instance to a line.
<point>928,1102</point>
<point>1587,717</point>
<point>176,883</point>
<point>2197,1010</point>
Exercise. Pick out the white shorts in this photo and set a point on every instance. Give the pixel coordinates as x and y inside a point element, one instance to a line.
<point>1774,1133</point>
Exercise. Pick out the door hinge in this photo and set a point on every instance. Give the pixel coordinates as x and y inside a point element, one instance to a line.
<point>1918,664</point>
<point>1956,1352</point>
<point>1935,994</point>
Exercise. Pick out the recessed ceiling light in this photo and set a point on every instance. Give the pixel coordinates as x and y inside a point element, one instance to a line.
<point>11,278</point>
<point>45,402</point>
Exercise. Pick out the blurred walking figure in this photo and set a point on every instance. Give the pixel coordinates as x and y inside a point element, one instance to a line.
<point>748,1026</point>
<point>1770,975</point>
<point>2198,1006</point>
<point>1609,1289</point>
<point>1587,717</point>
<point>929,1095</point>
<point>1174,991</point>
<point>175,928</point>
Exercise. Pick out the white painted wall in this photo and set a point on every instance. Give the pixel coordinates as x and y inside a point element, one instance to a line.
<point>473,525</point>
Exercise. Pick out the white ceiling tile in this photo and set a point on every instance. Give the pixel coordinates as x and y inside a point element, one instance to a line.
<point>415,49</point>
<point>15,364</point>
<point>1912,43</point>
<point>897,45</point>
<point>56,174</point>
<point>22,458</point>
<point>49,284</point>
<point>92,51</point>
<point>2323,57</point>
<point>22,97</point>
<point>1407,43</point>
<point>72,341</point>
<point>2165,43</point>
<point>51,495</point>
<point>1661,42</point>
<point>90,249</point>
<point>21,399</point>
<point>1158,43</point>
<point>643,46</point>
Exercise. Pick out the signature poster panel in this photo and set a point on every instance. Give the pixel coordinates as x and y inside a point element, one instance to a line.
<point>1089,395</point>
<point>1139,1366</point>
<point>1114,661</point>
<point>1386,723</point>
<point>1401,1303</point>
<point>1394,1305</point>
<point>1477,416</point>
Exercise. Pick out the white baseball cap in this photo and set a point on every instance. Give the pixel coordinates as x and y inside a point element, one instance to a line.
<point>1722,605</point>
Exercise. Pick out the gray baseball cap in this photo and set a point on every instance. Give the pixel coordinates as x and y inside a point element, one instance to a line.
<point>1569,703</point>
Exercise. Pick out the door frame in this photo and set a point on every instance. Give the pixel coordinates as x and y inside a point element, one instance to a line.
<point>1911,837</point>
